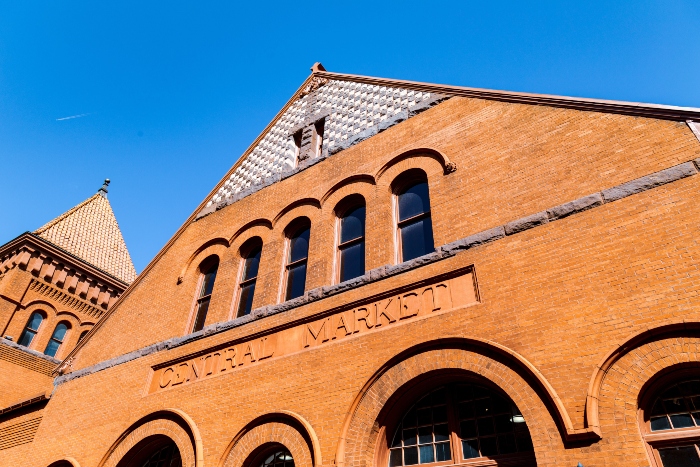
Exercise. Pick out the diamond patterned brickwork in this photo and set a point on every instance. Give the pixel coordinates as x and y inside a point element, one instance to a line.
<point>90,231</point>
<point>350,108</point>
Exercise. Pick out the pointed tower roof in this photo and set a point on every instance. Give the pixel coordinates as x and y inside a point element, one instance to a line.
<point>90,232</point>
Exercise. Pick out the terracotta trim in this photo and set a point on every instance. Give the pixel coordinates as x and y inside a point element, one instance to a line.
<point>666,112</point>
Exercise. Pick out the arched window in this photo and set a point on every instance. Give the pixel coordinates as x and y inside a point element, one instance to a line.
<point>252,249</point>
<point>57,338</point>
<point>351,241</point>
<point>280,458</point>
<point>82,336</point>
<point>672,425</point>
<point>459,424</point>
<point>208,269</point>
<point>31,329</point>
<point>297,257</point>
<point>415,227</point>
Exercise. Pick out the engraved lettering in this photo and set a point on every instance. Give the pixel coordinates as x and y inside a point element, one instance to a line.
<point>249,351</point>
<point>228,362</point>
<point>163,383</point>
<point>410,305</point>
<point>183,370</point>
<point>441,295</point>
<point>384,311</point>
<point>324,327</point>
<point>363,314</point>
<point>342,325</point>
<point>195,370</point>
<point>207,364</point>
<point>267,349</point>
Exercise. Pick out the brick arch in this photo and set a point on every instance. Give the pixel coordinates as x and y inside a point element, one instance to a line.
<point>358,442</point>
<point>65,462</point>
<point>446,165</point>
<point>168,423</point>
<point>624,381</point>
<point>259,433</point>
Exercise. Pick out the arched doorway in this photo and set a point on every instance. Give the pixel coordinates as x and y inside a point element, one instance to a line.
<point>154,451</point>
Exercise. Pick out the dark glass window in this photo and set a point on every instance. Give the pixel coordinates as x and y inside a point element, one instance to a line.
<point>248,279</point>
<point>352,243</point>
<point>205,296</point>
<point>296,262</point>
<point>278,459</point>
<point>415,225</point>
<point>167,456</point>
<point>680,456</point>
<point>677,407</point>
<point>57,338</point>
<point>82,336</point>
<point>31,329</point>
<point>459,422</point>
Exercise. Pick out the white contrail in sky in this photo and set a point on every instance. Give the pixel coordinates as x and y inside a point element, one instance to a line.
<point>72,116</point>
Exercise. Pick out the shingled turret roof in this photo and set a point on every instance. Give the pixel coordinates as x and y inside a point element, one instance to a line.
<point>90,232</point>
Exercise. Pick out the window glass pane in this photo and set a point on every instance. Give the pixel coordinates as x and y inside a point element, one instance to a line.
<point>506,444</point>
<point>409,437</point>
<point>674,405</point>
<point>52,348</point>
<point>483,407</point>
<point>352,261</point>
<point>488,446</point>
<point>251,264</point>
<point>201,315</point>
<point>35,321</point>
<point>395,458</point>
<point>352,224</point>
<point>60,332</point>
<point>470,448</point>
<point>425,417</point>
<point>246,302</point>
<point>299,245</point>
<point>425,435</point>
<point>27,337</point>
<point>686,456</point>
<point>442,452</point>
<point>413,201</point>
<point>426,454</point>
<point>296,281</point>
<point>417,239</point>
<point>410,456</point>
<point>503,423</point>
<point>442,433</point>
<point>467,429</point>
<point>485,426</point>
<point>208,282</point>
<point>682,420</point>
<point>660,423</point>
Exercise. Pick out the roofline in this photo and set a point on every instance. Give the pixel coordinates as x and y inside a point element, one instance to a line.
<point>56,250</point>
<point>666,112</point>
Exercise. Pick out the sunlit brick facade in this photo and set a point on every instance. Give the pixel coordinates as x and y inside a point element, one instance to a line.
<point>526,295</point>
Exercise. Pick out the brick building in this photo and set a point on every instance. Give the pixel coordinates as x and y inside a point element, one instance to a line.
<point>399,273</point>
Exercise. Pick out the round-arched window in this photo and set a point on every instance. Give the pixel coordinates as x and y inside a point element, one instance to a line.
<point>281,458</point>
<point>459,424</point>
<point>672,425</point>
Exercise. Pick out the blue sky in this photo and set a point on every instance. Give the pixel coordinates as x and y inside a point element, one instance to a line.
<point>174,92</point>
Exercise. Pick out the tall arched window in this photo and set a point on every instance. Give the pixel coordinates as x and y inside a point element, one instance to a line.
<point>415,227</point>
<point>208,269</point>
<point>31,329</point>
<point>461,424</point>
<point>252,249</point>
<point>57,338</point>
<point>297,257</point>
<point>672,424</point>
<point>351,241</point>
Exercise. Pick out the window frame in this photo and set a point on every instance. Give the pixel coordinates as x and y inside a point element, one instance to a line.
<point>396,410</point>
<point>403,182</point>
<point>204,268</point>
<point>293,230</point>
<point>675,437</point>
<point>346,205</point>
<point>248,247</point>
<point>35,331</point>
